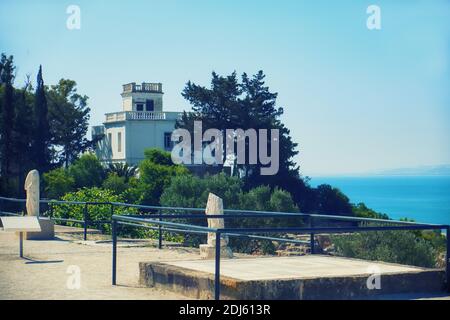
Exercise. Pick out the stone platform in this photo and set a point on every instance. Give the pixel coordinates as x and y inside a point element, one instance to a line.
<point>303,277</point>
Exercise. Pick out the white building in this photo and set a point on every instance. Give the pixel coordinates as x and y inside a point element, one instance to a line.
<point>141,124</point>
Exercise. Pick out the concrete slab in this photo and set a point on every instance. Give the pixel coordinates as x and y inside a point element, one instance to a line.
<point>300,277</point>
<point>302,267</point>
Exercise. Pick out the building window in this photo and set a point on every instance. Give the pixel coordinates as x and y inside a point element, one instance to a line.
<point>119,141</point>
<point>149,105</point>
<point>109,138</point>
<point>168,140</point>
<point>139,107</point>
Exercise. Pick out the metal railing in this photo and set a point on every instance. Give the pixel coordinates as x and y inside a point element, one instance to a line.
<point>150,222</point>
<point>159,216</point>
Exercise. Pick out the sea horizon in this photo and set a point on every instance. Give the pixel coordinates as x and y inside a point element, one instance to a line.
<point>423,198</point>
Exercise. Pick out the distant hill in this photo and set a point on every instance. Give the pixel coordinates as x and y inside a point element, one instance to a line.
<point>439,170</point>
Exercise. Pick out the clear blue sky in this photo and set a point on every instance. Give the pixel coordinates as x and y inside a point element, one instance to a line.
<point>355,100</point>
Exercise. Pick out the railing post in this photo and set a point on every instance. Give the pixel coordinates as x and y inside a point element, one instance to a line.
<point>217,271</point>
<point>21,244</point>
<point>85,215</point>
<point>160,236</point>
<point>311,240</point>
<point>50,209</point>
<point>114,250</point>
<point>447,259</point>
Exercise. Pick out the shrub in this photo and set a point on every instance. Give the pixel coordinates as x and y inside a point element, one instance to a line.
<point>192,192</point>
<point>87,171</point>
<point>115,183</point>
<point>403,247</point>
<point>361,210</point>
<point>58,182</point>
<point>95,212</point>
<point>155,173</point>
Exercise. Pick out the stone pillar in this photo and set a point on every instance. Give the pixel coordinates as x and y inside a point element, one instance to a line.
<point>207,251</point>
<point>33,195</point>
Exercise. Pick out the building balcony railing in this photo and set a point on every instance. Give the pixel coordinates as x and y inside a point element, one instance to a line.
<point>141,115</point>
<point>144,87</point>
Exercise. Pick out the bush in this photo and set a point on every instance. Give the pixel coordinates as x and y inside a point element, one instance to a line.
<point>87,171</point>
<point>115,183</point>
<point>361,210</point>
<point>192,192</point>
<point>58,182</point>
<point>155,173</point>
<point>403,247</point>
<point>95,212</point>
<point>332,201</point>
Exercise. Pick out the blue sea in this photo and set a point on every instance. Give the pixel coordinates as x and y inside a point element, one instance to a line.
<point>424,199</point>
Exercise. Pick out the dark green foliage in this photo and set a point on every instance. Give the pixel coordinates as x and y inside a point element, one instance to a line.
<point>115,183</point>
<point>95,212</point>
<point>230,104</point>
<point>68,116</point>
<point>58,182</point>
<point>403,247</point>
<point>38,130</point>
<point>361,210</point>
<point>84,172</point>
<point>41,133</point>
<point>192,192</point>
<point>332,201</point>
<point>249,104</point>
<point>154,177</point>
<point>6,122</point>
<point>122,170</point>
<point>87,171</point>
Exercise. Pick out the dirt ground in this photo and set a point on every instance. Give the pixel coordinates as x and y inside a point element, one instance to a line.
<point>51,269</point>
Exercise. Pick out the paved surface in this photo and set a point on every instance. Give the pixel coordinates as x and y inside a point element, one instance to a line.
<point>44,275</point>
<point>302,267</point>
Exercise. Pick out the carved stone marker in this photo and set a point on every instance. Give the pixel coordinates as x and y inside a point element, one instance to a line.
<point>33,195</point>
<point>32,189</point>
<point>208,251</point>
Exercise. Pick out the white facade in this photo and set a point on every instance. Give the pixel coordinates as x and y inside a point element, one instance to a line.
<point>141,124</point>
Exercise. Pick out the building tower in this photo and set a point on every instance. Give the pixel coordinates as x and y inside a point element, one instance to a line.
<point>141,124</point>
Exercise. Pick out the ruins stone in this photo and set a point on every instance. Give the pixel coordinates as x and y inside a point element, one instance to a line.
<point>214,206</point>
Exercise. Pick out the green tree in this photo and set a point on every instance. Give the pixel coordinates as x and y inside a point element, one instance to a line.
<point>154,177</point>
<point>332,201</point>
<point>58,182</point>
<point>69,116</point>
<point>361,210</point>
<point>115,183</point>
<point>6,125</point>
<point>41,145</point>
<point>230,104</point>
<point>23,135</point>
<point>249,104</point>
<point>122,170</point>
<point>87,171</point>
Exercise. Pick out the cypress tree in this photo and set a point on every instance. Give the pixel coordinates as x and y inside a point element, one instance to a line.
<point>6,125</point>
<point>41,143</point>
